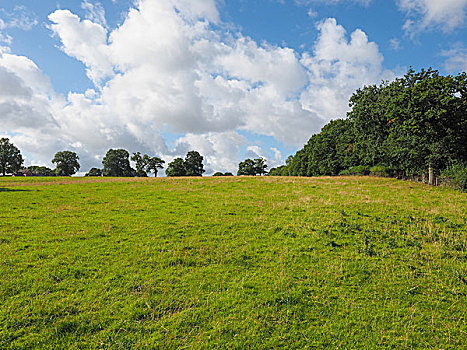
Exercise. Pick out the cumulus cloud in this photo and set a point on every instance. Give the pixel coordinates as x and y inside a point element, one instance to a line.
<point>169,70</point>
<point>337,67</point>
<point>427,14</point>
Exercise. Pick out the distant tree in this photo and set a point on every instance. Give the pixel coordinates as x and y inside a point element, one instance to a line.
<point>194,164</point>
<point>141,163</point>
<point>94,172</point>
<point>41,170</point>
<point>116,163</point>
<point>10,157</point>
<point>247,167</point>
<point>218,173</point>
<point>153,164</point>
<point>228,174</point>
<point>260,166</point>
<point>176,168</point>
<point>67,163</point>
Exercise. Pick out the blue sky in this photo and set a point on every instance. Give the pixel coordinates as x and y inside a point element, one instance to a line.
<point>232,79</point>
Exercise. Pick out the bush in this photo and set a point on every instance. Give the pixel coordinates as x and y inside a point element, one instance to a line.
<point>356,170</point>
<point>456,177</point>
<point>381,170</point>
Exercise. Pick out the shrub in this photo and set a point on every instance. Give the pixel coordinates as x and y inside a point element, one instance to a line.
<point>356,170</point>
<point>455,176</point>
<point>381,170</point>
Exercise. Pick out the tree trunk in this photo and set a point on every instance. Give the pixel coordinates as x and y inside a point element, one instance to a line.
<point>431,177</point>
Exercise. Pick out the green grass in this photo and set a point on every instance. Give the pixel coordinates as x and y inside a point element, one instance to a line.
<point>345,262</point>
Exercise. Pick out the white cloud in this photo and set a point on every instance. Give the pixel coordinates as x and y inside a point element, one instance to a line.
<point>21,17</point>
<point>94,12</point>
<point>166,71</point>
<point>338,67</point>
<point>428,14</point>
<point>456,59</point>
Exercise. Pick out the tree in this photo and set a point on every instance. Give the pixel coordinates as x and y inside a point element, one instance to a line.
<point>260,166</point>
<point>176,168</point>
<point>218,173</point>
<point>41,170</point>
<point>194,164</point>
<point>153,164</point>
<point>67,163</point>
<point>10,157</point>
<point>247,167</point>
<point>94,172</point>
<point>116,163</point>
<point>141,163</point>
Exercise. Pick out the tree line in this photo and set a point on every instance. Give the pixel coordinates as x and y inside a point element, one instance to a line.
<point>412,127</point>
<point>116,163</point>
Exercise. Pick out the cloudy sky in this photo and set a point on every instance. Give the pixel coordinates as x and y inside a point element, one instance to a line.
<point>231,79</point>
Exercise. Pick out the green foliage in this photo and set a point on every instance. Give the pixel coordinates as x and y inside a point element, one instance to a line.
<point>94,172</point>
<point>194,164</point>
<point>455,176</point>
<point>176,168</point>
<point>41,170</point>
<point>381,170</point>
<point>66,163</point>
<point>231,263</point>
<point>117,163</point>
<point>247,167</point>
<point>218,173</point>
<point>252,167</point>
<point>11,159</point>
<point>154,164</point>
<point>360,170</point>
<point>406,126</point>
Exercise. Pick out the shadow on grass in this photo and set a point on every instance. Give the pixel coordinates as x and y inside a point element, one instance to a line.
<point>12,190</point>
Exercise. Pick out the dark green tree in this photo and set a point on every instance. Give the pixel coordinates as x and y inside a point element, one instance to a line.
<point>141,164</point>
<point>66,163</point>
<point>194,164</point>
<point>176,168</point>
<point>247,167</point>
<point>41,170</point>
<point>116,163</point>
<point>10,157</point>
<point>153,164</point>
<point>260,166</point>
<point>218,173</point>
<point>94,172</point>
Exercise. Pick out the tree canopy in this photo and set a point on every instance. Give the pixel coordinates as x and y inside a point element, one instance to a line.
<point>252,167</point>
<point>11,159</point>
<point>412,125</point>
<point>66,163</point>
<point>176,168</point>
<point>117,163</point>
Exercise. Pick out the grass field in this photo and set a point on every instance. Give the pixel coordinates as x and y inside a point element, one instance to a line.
<point>344,262</point>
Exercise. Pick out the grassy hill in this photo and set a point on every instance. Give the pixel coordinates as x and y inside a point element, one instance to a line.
<point>345,262</point>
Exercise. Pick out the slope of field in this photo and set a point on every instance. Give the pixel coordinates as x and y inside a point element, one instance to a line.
<point>267,262</point>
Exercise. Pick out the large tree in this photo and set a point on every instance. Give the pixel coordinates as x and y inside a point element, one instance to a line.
<point>260,166</point>
<point>153,164</point>
<point>66,163</point>
<point>116,163</point>
<point>10,157</point>
<point>194,164</point>
<point>141,163</point>
<point>247,167</point>
<point>176,168</point>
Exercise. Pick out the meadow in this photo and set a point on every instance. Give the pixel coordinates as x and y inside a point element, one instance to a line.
<point>238,262</point>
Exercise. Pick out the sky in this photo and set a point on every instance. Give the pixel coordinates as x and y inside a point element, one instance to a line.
<point>231,79</point>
